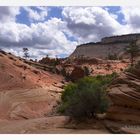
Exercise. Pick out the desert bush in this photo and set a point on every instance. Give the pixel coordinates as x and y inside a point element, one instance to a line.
<point>86,98</point>
<point>3,52</point>
<point>63,72</point>
<point>32,60</point>
<point>121,69</point>
<point>87,71</point>
<point>112,56</point>
<point>108,66</point>
<point>120,58</point>
<point>134,69</point>
<point>50,61</point>
<point>12,58</point>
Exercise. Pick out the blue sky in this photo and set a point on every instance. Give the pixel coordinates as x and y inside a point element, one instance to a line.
<point>58,30</point>
<point>115,10</point>
<point>56,12</point>
<point>52,12</point>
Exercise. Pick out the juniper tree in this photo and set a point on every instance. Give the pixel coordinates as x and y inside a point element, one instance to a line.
<point>26,53</point>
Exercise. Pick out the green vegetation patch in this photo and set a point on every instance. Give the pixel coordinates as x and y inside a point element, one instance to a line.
<point>87,97</point>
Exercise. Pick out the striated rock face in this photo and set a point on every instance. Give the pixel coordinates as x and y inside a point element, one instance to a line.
<point>108,45</point>
<point>28,103</point>
<point>124,93</point>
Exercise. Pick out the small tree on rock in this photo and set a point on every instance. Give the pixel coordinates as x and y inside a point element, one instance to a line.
<point>87,71</point>
<point>26,53</point>
<point>133,49</point>
<point>86,98</point>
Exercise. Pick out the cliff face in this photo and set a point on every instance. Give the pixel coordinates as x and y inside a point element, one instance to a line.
<point>124,93</point>
<point>108,45</point>
<point>99,50</point>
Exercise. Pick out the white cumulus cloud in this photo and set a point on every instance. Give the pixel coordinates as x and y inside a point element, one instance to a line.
<point>37,14</point>
<point>90,23</point>
<point>132,17</point>
<point>8,13</point>
<point>59,36</point>
<point>43,38</point>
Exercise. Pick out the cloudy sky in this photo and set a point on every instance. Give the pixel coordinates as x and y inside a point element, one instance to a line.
<point>55,31</point>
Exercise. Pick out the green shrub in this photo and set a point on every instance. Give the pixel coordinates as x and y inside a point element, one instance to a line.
<point>86,70</point>
<point>112,56</point>
<point>86,98</point>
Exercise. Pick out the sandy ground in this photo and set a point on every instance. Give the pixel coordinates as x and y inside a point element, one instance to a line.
<point>48,125</point>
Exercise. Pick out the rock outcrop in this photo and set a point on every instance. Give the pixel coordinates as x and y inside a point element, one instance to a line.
<point>124,93</point>
<point>17,74</point>
<point>77,73</point>
<point>114,45</point>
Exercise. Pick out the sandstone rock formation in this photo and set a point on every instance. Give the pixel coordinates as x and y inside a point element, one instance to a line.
<point>124,93</point>
<point>25,91</point>
<point>108,45</point>
<point>15,74</point>
<point>77,73</point>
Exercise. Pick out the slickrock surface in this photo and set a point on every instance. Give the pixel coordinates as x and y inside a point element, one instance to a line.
<point>25,91</point>
<point>27,104</point>
<point>50,125</point>
<point>124,93</point>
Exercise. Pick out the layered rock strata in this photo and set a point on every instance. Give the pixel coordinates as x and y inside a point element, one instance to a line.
<point>124,93</point>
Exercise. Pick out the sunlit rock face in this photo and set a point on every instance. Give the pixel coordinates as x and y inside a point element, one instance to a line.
<point>108,45</point>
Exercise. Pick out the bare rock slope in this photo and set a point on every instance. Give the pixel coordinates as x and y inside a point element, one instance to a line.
<point>15,74</point>
<point>25,91</point>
